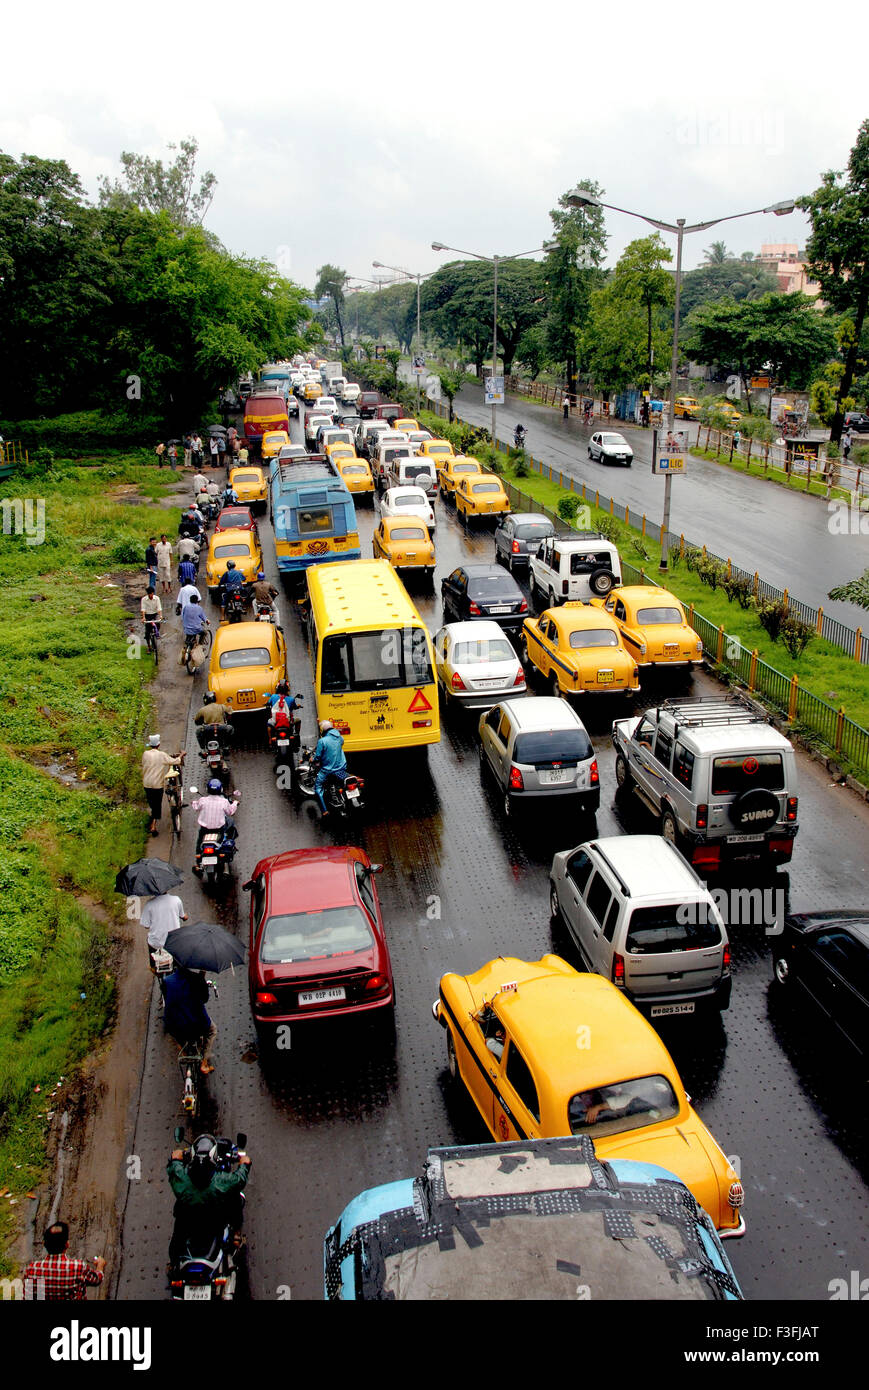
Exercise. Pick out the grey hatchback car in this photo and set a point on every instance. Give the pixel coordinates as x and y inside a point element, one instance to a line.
<point>539,749</point>
<point>518,535</point>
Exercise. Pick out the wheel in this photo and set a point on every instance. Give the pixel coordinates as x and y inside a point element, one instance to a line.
<point>669,828</point>
<point>589,451</point>
<point>780,971</point>
<point>205,641</point>
<point>510,564</point>
<point>523,652</point>
<point>553,601</point>
<point>508,805</point>
<point>554,908</point>
<point>452,1060</point>
<point>624,780</point>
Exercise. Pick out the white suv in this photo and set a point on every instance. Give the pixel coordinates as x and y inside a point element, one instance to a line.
<point>580,566</point>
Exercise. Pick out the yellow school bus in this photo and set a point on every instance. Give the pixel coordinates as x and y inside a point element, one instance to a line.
<point>373,659</point>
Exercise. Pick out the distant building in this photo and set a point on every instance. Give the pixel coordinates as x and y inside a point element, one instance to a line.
<point>787,264</point>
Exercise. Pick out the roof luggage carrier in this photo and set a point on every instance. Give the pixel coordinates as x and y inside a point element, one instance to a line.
<point>296,470</point>
<point>704,713</point>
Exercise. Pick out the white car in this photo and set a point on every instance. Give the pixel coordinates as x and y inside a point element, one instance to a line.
<point>606,447</point>
<point>408,501</point>
<point>313,422</point>
<point>418,437</point>
<point>351,393</point>
<point>477,665</point>
<point>326,404</point>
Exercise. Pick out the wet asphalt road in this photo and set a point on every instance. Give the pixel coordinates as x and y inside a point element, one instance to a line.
<point>783,535</point>
<point>338,1115</point>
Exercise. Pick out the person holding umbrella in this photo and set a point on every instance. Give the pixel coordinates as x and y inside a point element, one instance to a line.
<point>185,1015</point>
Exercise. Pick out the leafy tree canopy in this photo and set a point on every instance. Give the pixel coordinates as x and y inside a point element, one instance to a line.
<point>151,186</point>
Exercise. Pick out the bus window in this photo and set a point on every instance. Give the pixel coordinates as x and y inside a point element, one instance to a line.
<point>417,664</point>
<point>315,520</point>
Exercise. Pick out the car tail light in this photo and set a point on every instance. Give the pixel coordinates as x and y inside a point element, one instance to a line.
<point>619,970</point>
<point>376,984</point>
<point>177,1284</point>
<point>516,548</point>
<point>792,808</point>
<point>520,677</point>
<point>594,773</point>
<point>221,1280</point>
<point>782,847</point>
<point>265,998</point>
<point>727,957</point>
<point>706,856</point>
<point>523,606</point>
<point>422,724</point>
<point>702,820</point>
<point>516,782</point>
<point>475,609</point>
<point>565,586</point>
<point>457,683</point>
<point>736,1195</point>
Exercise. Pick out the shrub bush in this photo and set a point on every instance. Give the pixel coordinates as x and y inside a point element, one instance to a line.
<point>609,528</point>
<point>568,507</point>
<point>740,588</point>
<point>796,636</point>
<point>127,551</point>
<point>771,613</point>
<point>85,432</point>
<point>710,571</point>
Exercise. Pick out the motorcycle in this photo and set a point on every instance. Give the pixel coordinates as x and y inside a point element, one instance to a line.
<point>285,740</point>
<point>236,601</point>
<point>214,858</point>
<point>212,746</point>
<point>342,791</point>
<point>204,1263</point>
<point>266,613</point>
<point>519,435</point>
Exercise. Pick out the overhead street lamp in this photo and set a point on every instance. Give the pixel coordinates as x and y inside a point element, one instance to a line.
<point>411,275</point>
<point>579,199</point>
<point>494,260</point>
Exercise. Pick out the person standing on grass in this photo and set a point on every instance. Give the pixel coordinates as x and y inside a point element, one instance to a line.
<point>164,564</point>
<point>155,765</point>
<point>188,450</point>
<point>57,1277</point>
<point>173,454</point>
<point>151,564</point>
<point>160,451</point>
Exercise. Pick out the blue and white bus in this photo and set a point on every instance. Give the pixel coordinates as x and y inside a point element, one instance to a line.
<point>312,514</point>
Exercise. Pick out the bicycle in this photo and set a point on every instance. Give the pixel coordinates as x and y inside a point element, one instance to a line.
<point>190,1060</point>
<point>173,792</point>
<point>152,639</point>
<point>196,639</point>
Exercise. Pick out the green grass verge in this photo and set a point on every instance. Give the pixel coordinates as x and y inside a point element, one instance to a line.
<point>794,483</point>
<point>73,700</point>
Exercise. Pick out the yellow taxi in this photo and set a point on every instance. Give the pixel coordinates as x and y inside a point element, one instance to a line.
<point>250,486</point>
<point>247,661</point>
<point>578,649</point>
<point>356,474</point>
<point>438,450</point>
<point>406,424</point>
<point>730,413</point>
<point>686,408</point>
<point>453,469</point>
<point>653,625</point>
<point>241,546</point>
<point>312,390</point>
<point>406,543</point>
<point>545,1051</point>
<point>273,442</point>
<point>340,450</point>
<point>480,495</point>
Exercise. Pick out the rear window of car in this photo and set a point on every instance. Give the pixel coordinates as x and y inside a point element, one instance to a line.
<point>353,468</point>
<point>466,468</point>
<point>651,616</point>
<point>653,930</point>
<point>410,499</point>
<point>486,487</point>
<point>407,533</point>
<point>533,530</point>
<point>230,552</point>
<point>622,1105</point>
<point>302,936</point>
<point>244,656</point>
<point>482,652</point>
<point>583,564</point>
<point>228,520</point>
<point>246,478</point>
<point>594,637</point>
<point>552,746</point>
<point>742,772</point>
<point>440,449</point>
<point>417,470</point>
<point>491,587</point>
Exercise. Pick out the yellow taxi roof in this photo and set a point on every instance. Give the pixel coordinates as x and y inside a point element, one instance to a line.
<point>644,593</point>
<point>232,636</point>
<point>275,434</point>
<point>389,523</point>
<point>575,616</point>
<point>406,422</point>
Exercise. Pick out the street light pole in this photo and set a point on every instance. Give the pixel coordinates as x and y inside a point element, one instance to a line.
<point>674,364</point>
<point>418,277</point>
<point>494,353</point>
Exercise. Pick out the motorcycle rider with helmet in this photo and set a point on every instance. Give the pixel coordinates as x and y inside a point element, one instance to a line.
<point>206,1198</point>
<point>232,580</point>
<point>212,713</point>
<point>330,760</point>
<point>215,813</point>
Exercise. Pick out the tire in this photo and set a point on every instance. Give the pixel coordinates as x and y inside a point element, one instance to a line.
<point>555,689</point>
<point>553,601</point>
<point>624,780</point>
<point>523,653</point>
<point>176,822</point>
<point>600,581</point>
<point>453,1061</point>
<point>554,908</point>
<point>589,451</point>
<point>669,828</point>
<point>781,973</point>
<point>509,564</point>
<point>508,806</point>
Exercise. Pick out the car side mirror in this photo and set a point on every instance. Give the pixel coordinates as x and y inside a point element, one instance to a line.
<point>375,868</point>
<point>246,887</point>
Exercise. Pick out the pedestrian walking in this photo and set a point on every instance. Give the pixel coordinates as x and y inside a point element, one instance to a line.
<point>155,765</point>
<point>57,1277</point>
<point>846,445</point>
<point>196,449</point>
<point>188,450</point>
<point>213,450</point>
<point>151,564</point>
<point>173,454</point>
<point>565,406</point>
<point>164,563</point>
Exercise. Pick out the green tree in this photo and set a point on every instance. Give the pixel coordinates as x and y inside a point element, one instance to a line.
<point>572,270</point>
<point>393,357</point>
<point>717,254</point>
<point>726,280</point>
<point>331,281</point>
<point>150,185</point>
<point>531,350</point>
<point>855,591</point>
<point>837,253</point>
<point>452,379</point>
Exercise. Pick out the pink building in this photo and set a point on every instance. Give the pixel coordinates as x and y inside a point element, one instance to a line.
<point>786,262</point>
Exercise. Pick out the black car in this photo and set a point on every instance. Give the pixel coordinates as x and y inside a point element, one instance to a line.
<point>483,591</point>
<point>823,958</point>
<point>518,535</point>
<point>857,420</point>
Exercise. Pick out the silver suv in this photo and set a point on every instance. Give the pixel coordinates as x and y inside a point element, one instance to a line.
<point>581,566</point>
<point>539,749</point>
<point>642,918</point>
<point>722,780</point>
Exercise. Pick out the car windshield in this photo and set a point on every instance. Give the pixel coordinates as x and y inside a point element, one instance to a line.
<point>230,552</point>
<point>482,652</point>
<point>618,440</point>
<point>546,746</point>
<point>493,586</point>
<point>652,616</point>
<point>245,656</point>
<point>594,637</point>
<point>622,1105</point>
<point>336,931</point>
<point>407,533</point>
<point>653,930</point>
<point>486,487</point>
<point>742,772</point>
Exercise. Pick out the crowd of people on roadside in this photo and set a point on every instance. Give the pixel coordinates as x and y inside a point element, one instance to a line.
<point>221,445</point>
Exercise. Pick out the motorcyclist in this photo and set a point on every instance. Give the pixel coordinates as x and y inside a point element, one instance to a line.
<point>188,550</point>
<point>519,436</point>
<point>206,1198</point>
<point>213,713</point>
<point>265,593</point>
<point>214,812</point>
<point>231,581</point>
<point>329,757</point>
<point>230,496</point>
<point>281,706</point>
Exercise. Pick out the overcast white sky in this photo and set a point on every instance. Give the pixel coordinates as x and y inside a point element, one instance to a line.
<point>353,132</point>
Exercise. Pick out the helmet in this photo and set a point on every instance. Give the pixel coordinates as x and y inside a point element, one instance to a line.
<point>209,697</point>
<point>202,1163</point>
<point>260,574</point>
<point>230,564</point>
<point>215,786</point>
<point>326,725</point>
<point>282,688</point>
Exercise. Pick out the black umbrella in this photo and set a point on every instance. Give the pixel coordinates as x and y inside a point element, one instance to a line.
<point>147,877</point>
<point>204,946</point>
<point>217,429</point>
<point>175,441</point>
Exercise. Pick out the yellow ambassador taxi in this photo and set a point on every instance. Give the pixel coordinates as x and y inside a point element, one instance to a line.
<point>686,408</point>
<point>241,546</point>
<point>653,625</point>
<point>480,495</point>
<point>312,390</point>
<point>273,442</point>
<point>545,1051</point>
<point>578,650</point>
<point>438,450</point>
<point>356,473</point>
<point>247,661</point>
<point>405,424</point>
<point>453,469</point>
<point>250,486</point>
<point>406,543</point>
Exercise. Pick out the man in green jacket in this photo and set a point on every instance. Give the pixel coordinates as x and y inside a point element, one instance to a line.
<point>205,1200</point>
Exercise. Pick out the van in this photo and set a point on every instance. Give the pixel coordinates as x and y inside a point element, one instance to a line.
<point>579,566</point>
<point>388,410</point>
<point>368,435</point>
<point>367,404</point>
<point>408,468</point>
<point>642,918</point>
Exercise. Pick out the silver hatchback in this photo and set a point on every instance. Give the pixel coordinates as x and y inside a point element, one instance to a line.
<point>539,749</point>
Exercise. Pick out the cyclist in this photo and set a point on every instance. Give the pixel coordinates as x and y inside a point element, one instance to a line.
<point>152,613</point>
<point>194,622</point>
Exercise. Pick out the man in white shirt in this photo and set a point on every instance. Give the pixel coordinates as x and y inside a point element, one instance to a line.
<point>199,482</point>
<point>213,448</point>
<point>162,915</point>
<point>185,594</point>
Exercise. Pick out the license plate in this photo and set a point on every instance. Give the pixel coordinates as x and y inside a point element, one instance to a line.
<point>745,839</point>
<point>487,684</point>
<point>671,648</point>
<point>500,608</point>
<point>352,796</point>
<point>659,1010</point>
<point>556,774</point>
<point>322,996</point>
<point>199,1294</point>
<point>605,677</point>
<point>246,697</point>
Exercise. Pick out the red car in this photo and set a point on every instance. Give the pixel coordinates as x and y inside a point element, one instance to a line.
<point>317,945</point>
<point>235,519</point>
